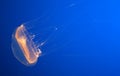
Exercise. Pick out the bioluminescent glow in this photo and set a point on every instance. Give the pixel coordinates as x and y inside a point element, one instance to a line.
<point>25,46</point>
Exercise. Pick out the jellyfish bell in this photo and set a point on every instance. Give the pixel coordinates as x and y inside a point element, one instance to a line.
<point>27,42</point>
<point>23,47</point>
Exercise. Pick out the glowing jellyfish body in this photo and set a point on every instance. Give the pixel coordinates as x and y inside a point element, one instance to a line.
<point>24,48</point>
<point>36,38</point>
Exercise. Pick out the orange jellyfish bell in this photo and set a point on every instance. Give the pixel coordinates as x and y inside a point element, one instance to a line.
<point>24,48</point>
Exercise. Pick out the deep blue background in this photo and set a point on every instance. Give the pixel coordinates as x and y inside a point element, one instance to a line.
<point>93,27</point>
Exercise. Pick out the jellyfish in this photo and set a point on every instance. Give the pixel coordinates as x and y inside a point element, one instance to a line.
<point>23,47</point>
<point>31,40</point>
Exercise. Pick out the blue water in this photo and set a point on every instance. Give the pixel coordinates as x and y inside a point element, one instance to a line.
<point>93,29</point>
